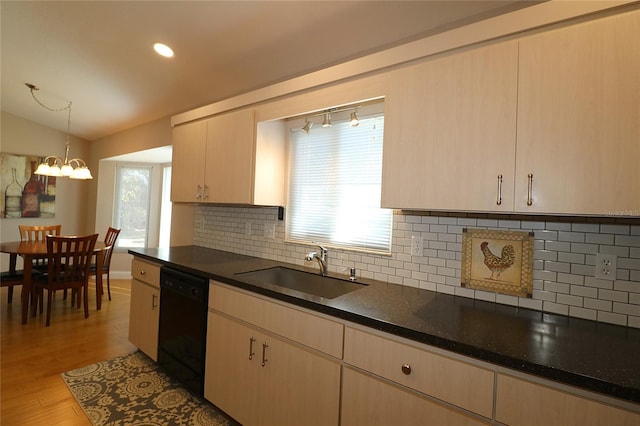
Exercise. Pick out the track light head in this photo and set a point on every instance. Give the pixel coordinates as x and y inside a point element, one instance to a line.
<point>354,119</point>
<point>327,120</point>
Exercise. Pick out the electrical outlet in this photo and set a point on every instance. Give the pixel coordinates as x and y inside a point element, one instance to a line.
<point>417,244</point>
<point>270,230</point>
<point>247,228</point>
<point>606,266</point>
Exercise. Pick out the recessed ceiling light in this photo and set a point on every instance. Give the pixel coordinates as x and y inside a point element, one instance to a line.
<point>163,50</point>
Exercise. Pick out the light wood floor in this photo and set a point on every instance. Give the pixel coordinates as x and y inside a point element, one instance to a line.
<point>32,356</point>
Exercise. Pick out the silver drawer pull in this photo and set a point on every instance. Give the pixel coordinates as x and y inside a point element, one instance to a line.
<point>142,272</point>
<point>406,369</point>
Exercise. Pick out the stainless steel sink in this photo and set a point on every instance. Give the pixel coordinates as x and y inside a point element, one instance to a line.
<point>304,282</point>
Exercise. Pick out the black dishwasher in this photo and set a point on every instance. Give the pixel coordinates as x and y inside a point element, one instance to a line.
<point>183,327</point>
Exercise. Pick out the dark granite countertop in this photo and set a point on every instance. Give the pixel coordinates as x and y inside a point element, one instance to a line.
<point>595,356</point>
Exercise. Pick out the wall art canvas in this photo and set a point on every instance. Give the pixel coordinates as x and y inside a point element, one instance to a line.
<point>24,194</point>
<point>498,261</point>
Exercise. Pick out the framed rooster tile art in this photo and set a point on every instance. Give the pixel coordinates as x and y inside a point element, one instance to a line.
<point>498,261</point>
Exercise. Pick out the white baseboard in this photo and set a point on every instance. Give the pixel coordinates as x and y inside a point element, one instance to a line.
<point>118,275</point>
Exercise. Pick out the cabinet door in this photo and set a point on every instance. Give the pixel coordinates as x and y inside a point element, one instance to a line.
<point>144,318</point>
<point>230,158</point>
<point>188,162</point>
<point>450,128</point>
<point>298,387</point>
<point>579,119</point>
<point>369,401</point>
<point>232,368</point>
<point>519,403</point>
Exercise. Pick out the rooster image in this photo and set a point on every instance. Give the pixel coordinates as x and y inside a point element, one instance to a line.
<point>497,265</point>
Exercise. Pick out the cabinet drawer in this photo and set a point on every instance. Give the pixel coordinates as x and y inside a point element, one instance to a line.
<point>146,272</point>
<point>453,381</point>
<point>519,402</point>
<point>310,330</point>
<point>369,401</point>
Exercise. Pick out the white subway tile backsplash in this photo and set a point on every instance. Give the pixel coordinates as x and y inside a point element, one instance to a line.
<point>614,296</point>
<point>576,311</point>
<point>555,308</point>
<point>627,309</point>
<point>606,228</point>
<point>585,227</point>
<point>612,318</point>
<point>607,239</point>
<point>557,246</point>
<point>576,237</point>
<point>564,256</point>
<point>598,304</point>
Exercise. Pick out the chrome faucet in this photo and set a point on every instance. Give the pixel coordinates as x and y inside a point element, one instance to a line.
<point>321,258</point>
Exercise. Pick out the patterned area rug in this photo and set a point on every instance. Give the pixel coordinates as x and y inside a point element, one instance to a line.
<point>130,390</point>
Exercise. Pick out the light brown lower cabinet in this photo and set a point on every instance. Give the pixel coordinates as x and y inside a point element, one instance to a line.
<point>370,401</point>
<point>259,379</point>
<point>523,403</point>
<point>144,313</point>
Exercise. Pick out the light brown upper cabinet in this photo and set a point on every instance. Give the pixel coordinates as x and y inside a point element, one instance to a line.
<point>450,128</point>
<point>549,123</point>
<point>579,119</point>
<point>228,159</point>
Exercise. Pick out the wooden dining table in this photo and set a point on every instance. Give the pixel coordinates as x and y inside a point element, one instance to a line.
<point>32,250</point>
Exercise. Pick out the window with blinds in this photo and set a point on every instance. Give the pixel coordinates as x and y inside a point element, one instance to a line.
<point>334,186</point>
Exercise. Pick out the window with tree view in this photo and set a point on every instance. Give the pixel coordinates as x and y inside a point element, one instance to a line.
<point>133,194</point>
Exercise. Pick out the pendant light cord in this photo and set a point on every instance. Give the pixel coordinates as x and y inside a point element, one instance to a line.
<point>32,88</point>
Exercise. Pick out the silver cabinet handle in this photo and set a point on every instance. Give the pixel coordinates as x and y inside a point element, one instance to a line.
<point>251,352</point>
<point>206,192</point>
<point>198,192</point>
<point>264,354</point>
<point>530,189</point>
<point>154,302</point>
<point>406,369</point>
<point>499,199</point>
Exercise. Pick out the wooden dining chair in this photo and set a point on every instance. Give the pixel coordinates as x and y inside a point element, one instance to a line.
<point>110,241</point>
<point>10,279</point>
<point>38,233</point>
<point>68,268</point>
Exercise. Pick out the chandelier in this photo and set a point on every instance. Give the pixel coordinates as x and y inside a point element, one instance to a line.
<point>53,165</point>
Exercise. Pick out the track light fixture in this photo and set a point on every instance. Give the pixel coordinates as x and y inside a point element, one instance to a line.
<point>54,165</point>
<point>326,121</point>
<point>307,126</point>
<point>353,121</point>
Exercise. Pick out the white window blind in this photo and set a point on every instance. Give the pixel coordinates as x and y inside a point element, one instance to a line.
<point>334,186</point>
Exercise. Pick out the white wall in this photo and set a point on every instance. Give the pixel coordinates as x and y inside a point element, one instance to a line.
<point>20,136</point>
<point>151,135</point>
<point>121,260</point>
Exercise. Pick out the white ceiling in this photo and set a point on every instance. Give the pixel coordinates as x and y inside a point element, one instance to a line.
<point>98,54</point>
